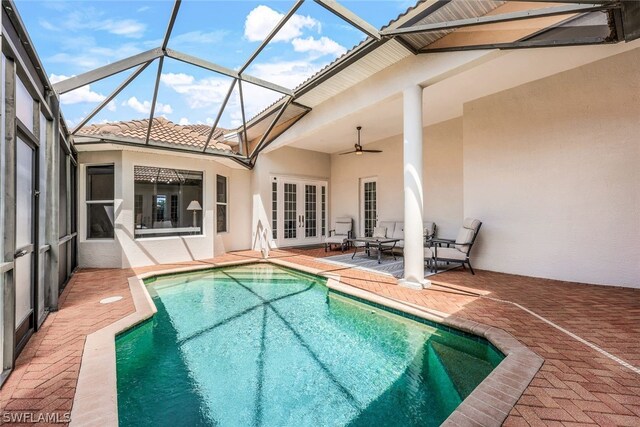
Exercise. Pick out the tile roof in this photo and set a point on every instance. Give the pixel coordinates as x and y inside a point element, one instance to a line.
<point>162,131</point>
<point>153,174</point>
<point>204,130</point>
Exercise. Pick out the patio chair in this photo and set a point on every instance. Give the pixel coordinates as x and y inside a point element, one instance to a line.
<point>338,236</point>
<point>461,249</point>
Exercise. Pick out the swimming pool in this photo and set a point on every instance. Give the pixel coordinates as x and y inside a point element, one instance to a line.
<point>263,345</point>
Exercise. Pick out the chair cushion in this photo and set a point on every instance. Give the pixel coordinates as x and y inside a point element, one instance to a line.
<point>389,225</point>
<point>471,224</point>
<point>398,230</point>
<point>342,228</point>
<point>380,232</point>
<point>335,239</point>
<point>445,253</point>
<point>465,235</point>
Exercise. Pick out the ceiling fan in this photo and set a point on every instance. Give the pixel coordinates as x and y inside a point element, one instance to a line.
<point>359,150</point>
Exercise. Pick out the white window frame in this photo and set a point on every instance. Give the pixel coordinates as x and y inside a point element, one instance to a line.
<point>226,203</point>
<point>91,202</point>
<point>172,233</point>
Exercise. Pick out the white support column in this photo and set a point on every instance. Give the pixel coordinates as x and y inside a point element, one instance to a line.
<point>413,194</point>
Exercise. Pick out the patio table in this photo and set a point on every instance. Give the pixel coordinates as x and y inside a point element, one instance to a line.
<point>381,245</point>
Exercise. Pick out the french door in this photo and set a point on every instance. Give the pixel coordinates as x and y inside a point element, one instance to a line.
<point>25,255</point>
<point>368,206</point>
<point>298,211</point>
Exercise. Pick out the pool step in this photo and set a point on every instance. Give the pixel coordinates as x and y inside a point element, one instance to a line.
<point>448,395</point>
<point>463,370</point>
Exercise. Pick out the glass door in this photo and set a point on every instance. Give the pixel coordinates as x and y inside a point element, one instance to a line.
<point>368,206</point>
<point>299,211</point>
<point>290,212</point>
<point>24,256</point>
<point>310,220</point>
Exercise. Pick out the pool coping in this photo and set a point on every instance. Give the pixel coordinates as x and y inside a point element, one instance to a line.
<point>489,404</point>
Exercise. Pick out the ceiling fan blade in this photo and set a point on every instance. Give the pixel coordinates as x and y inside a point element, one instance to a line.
<point>371,151</point>
<point>348,152</point>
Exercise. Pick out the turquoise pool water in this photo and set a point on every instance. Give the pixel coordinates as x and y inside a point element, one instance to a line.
<point>262,345</point>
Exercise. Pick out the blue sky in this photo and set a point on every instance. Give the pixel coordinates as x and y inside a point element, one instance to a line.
<point>73,37</point>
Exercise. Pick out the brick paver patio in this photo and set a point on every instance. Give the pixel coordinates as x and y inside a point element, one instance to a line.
<point>577,385</point>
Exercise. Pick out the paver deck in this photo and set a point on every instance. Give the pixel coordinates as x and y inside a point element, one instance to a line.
<point>577,384</point>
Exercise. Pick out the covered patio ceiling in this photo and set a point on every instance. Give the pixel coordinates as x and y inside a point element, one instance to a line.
<point>430,26</point>
<point>332,129</point>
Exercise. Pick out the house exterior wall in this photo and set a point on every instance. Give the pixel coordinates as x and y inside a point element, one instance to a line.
<point>442,160</point>
<point>288,161</point>
<point>127,251</point>
<point>551,167</point>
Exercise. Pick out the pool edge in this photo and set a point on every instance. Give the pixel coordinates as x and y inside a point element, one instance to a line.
<point>95,401</point>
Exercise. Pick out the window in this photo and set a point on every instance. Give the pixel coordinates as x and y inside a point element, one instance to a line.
<point>323,212</point>
<point>100,195</point>
<point>62,191</point>
<point>24,105</point>
<point>274,209</point>
<point>167,202</point>
<point>221,203</point>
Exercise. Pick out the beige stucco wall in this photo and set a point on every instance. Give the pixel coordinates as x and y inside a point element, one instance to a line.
<point>442,160</point>
<point>288,161</point>
<point>553,169</point>
<point>126,251</point>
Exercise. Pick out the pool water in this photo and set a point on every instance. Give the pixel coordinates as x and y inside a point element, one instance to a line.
<point>262,345</point>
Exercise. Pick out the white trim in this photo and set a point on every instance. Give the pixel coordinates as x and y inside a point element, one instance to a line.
<point>201,230</point>
<point>226,203</point>
<point>143,231</point>
<point>361,183</point>
<point>300,182</point>
<point>83,220</point>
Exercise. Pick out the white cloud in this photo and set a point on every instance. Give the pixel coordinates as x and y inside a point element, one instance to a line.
<point>236,118</point>
<point>285,73</point>
<point>48,25</point>
<point>144,107</point>
<point>84,54</point>
<point>177,79</point>
<point>89,18</point>
<point>320,47</point>
<point>261,20</point>
<point>197,93</point>
<point>125,27</point>
<point>208,94</point>
<point>197,37</point>
<point>184,121</point>
<point>82,94</point>
<point>143,8</point>
<point>111,106</point>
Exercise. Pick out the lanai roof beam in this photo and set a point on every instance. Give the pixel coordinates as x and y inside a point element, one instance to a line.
<point>347,15</point>
<point>106,71</point>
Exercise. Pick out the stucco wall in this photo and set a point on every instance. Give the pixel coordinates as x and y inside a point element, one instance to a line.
<point>283,161</point>
<point>552,168</point>
<point>442,160</point>
<point>126,251</point>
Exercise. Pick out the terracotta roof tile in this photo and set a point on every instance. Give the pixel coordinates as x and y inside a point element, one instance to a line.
<point>203,130</point>
<point>162,131</point>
